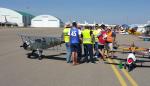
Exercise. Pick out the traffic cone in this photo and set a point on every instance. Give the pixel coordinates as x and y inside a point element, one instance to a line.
<point>120,65</point>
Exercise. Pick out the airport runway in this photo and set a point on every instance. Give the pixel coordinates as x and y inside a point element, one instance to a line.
<point>18,70</point>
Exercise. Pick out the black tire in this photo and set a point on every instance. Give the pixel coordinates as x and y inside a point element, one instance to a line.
<point>29,56</point>
<point>40,58</point>
<point>32,56</point>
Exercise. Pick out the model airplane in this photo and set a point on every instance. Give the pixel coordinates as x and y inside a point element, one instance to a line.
<point>133,48</point>
<point>131,60</point>
<point>145,52</point>
<point>36,44</point>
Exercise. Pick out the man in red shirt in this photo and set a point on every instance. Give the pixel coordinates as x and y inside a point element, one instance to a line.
<point>101,41</point>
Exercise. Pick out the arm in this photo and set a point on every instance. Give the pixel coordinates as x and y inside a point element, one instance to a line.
<point>80,36</point>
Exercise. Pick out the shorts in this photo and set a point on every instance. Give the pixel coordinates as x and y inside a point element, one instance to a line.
<point>101,47</point>
<point>74,47</point>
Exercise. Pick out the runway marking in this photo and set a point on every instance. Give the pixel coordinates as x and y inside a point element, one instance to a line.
<point>132,81</point>
<point>119,76</point>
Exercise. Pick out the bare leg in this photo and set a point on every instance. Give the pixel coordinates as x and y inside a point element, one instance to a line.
<point>102,53</point>
<point>73,57</point>
<point>106,53</point>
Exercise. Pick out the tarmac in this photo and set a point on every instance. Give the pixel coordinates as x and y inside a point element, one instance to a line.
<point>18,70</point>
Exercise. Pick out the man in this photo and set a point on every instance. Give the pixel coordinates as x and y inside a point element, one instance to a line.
<point>110,40</point>
<point>96,32</point>
<point>66,39</point>
<point>75,35</point>
<point>87,36</point>
<point>80,48</point>
<point>102,42</point>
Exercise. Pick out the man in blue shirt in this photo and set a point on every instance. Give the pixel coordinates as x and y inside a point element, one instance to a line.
<point>75,35</point>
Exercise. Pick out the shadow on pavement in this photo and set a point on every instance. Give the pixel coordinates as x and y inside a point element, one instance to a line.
<point>145,57</point>
<point>141,65</point>
<point>53,57</point>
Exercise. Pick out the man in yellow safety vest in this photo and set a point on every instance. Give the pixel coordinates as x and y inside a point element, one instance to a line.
<point>66,39</point>
<point>96,32</point>
<point>87,36</point>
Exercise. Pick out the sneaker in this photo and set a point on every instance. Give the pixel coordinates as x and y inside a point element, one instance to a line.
<point>96,56</point>
<point>93,63</point>
<point>68,62</point>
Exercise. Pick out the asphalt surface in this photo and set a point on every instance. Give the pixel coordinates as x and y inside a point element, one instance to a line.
<point>18,70</point>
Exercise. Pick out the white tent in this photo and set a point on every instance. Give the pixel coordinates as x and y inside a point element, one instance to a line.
<point>45,21</point>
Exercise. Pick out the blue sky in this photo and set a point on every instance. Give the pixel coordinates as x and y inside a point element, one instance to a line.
<point>107,11</point>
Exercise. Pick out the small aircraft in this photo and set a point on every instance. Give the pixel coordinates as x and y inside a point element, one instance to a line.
<point>131,60</point>
<point>132,48</point>
<point>8,23</point>
<point>144,52</point>
<point>36,44</point>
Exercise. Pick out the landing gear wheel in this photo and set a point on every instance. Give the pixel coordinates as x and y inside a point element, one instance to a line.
<point>40,57</point>
<point>32,55</point>
<point>39,53</point>
<point>29,56</point>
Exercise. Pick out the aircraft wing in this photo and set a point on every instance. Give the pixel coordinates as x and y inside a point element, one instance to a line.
<point>39,42</point>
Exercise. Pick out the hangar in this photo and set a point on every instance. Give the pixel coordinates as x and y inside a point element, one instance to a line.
<point>46,21</point>
<point>12,17</point>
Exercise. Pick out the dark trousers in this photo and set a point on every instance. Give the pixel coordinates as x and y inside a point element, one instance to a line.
<point>88,51</point>
<point>79,53</point>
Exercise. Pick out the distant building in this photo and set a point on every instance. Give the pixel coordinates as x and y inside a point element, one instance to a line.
<point>13,17</point>
<point>46,21</point>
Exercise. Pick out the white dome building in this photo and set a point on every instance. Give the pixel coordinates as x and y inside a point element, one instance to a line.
<point>8,16</point>
<point>46,21</point>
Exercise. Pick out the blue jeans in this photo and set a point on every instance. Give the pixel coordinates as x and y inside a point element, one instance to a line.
<point>96,49</point>
<point>68,49</point>
<point>79,53</point>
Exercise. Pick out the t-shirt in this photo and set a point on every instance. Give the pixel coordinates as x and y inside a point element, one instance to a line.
<point>102,38</point>
<point>74,35</point>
